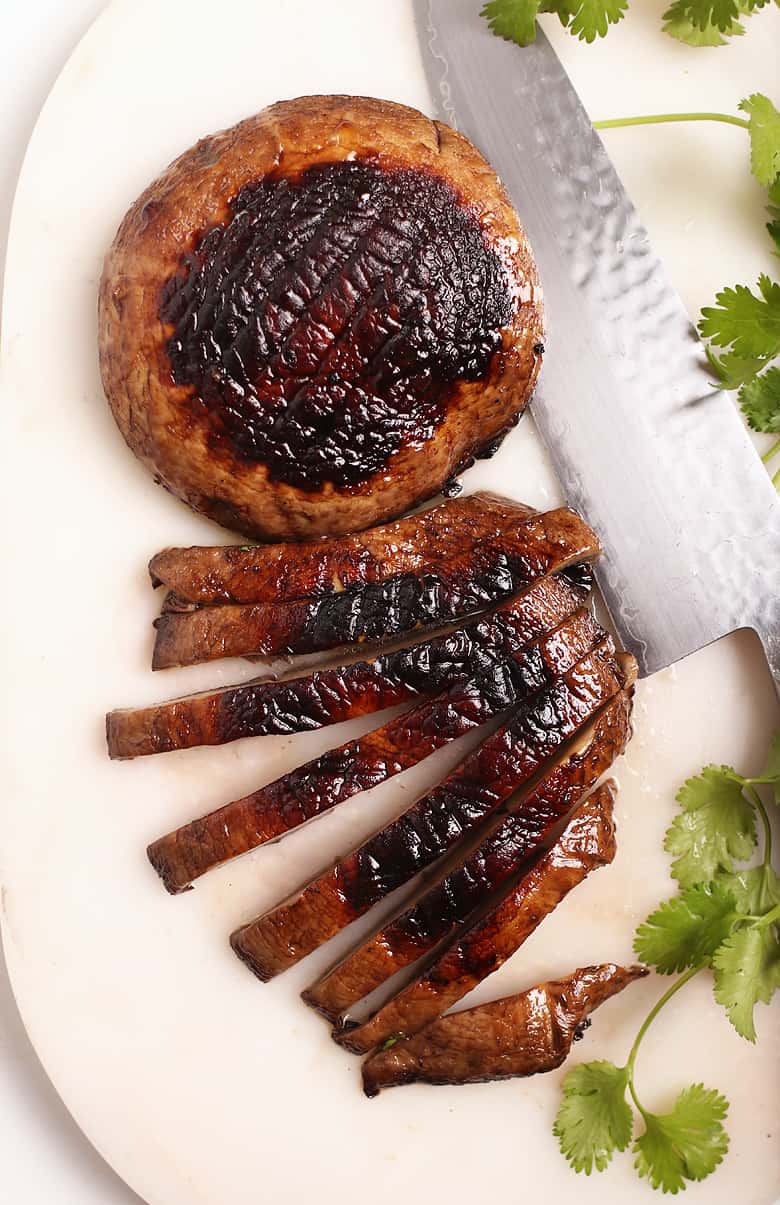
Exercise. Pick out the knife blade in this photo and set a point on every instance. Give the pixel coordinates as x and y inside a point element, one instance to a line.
<point>657,460</point>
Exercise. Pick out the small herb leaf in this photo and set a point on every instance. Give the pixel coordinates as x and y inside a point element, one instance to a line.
<point>591,19</point>
<point>733,371</point>
<point>764,137</point>
<point>594,1119</point>
<point>772,770</point>
<point>747,970</point>
<point>755,890</point>
<point>514,20</point>
<point>678,23</point>
<point>686,1144</point>
<point>716,826</point>
<point>687,930</point>
<point>744,321</point>
<point>760,401</point>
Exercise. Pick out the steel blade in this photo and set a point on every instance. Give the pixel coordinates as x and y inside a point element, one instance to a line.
<point>656,459</point>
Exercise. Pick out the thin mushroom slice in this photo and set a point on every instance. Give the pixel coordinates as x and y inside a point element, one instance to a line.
<point>435,823</point>
<point>519,1035</point>
<point>449,973</point>
<point>332,695</point>
<point>314,788</point>
<point>509,841</point>
<point>463,585</point>
<point>279,573</point>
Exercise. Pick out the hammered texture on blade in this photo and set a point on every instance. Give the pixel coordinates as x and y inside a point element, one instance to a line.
<point>655,457</point>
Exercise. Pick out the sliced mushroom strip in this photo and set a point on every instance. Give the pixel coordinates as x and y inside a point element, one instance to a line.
<point>435,823</point>
<point>332,695</point>
<point>509,841</point>
<point>518,1036</point>
<point>462,585</point>
<point>587,843</point>
<point>278,573</point>
<point>321,784</point>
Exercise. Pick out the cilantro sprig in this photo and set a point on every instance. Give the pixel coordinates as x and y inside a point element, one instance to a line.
<point>725,919</point>
<point>515,20</point>
<point>743,325</point>
<point>695,22</point>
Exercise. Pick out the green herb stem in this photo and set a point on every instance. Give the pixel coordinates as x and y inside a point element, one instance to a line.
<point>769,918</point>
<point>776,479</point>
<point>758,803</point>
<point>775,448</point>
<point>648,1021</point>
<point>659,118</point>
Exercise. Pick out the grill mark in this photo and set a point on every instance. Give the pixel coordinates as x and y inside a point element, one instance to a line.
<point>424,832</point>
<point>312,789</point>
<point>330,696</point>
<point>395,315</point>
<point>377,610</point>
<point>473,953</point>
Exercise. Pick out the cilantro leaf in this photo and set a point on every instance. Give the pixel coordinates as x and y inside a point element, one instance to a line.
<point>747,323</point>
<point>591,19</point>
<point>759,400</point>
<point>747,970</point>
<point>687,930</point>
<point>704,15</point>
<point>686,1144</point>
<point>756,890</point>
<point>764,137</point>
<point>594,1119</point>
<point>773,225</point>
<point>772,768</point>
<point>678,23</point>
<point>733,371</point>
<point>514,20</point>
<point>716,825</point>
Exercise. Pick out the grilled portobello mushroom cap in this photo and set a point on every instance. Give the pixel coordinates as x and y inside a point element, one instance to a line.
<point>311,321</point>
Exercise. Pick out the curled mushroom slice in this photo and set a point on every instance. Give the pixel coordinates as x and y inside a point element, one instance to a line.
<point>520,1035</point>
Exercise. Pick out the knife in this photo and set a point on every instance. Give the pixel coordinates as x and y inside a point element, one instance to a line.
<point>654,456</point>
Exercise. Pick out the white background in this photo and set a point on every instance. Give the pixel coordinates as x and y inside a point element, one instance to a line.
<point>43,1155</point>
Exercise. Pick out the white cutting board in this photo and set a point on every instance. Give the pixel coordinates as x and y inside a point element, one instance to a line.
<point>200,1085</point>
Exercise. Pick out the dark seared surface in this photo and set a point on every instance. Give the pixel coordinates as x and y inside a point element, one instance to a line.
<point>277,573</point>
<point>329,696</point>
<point>467,583</point>
<point>508,842</point>
<point>323,323</point>
<point>518,1036</point>
<point>435,823</point>
<point>307,792</point>
<point>587,842</point>
<point>310,321</point>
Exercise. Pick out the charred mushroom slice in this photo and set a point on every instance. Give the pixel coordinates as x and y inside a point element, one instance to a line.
<point>436,822</point>
<point>449,590</point>
<point>587,843</point>
<point>518,1036</point>
<point>508,842</point>
<point>297,797</point>
<point>329,696</point>
<point>277,573</point>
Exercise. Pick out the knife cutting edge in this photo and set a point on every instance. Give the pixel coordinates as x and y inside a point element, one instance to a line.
<point>654,456</point>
